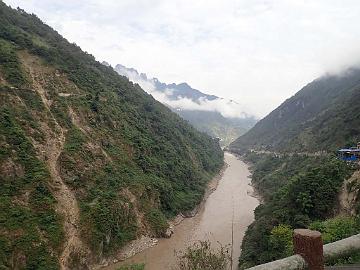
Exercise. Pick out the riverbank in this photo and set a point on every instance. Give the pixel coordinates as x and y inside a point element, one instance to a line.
<point>145,242</point>
<point>227,209</point>
<point>211,187</point>
<point>255,194</point>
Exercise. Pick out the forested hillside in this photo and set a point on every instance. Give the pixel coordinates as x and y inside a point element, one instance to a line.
<point>88,160</point>
<point>297,191</point>
<point>218,126</point>
<point>324,115</point>
<point>295,171</point>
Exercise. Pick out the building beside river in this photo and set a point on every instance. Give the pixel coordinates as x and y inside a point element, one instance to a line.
<point>350,154</point>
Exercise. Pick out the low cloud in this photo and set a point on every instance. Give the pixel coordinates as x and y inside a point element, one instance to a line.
<point>258,52</point>
<point>227,108</point>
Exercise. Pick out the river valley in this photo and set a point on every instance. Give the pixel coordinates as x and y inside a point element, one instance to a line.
<point>223,218</point>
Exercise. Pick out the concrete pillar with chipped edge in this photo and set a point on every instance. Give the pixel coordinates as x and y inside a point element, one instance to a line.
<point>309,245</point>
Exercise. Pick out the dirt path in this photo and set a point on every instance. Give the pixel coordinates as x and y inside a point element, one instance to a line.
<point>67,203</point>
<point>278,154</point>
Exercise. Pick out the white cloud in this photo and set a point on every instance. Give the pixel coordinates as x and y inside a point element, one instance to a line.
<point>256,52</point>
<point>226,108</point>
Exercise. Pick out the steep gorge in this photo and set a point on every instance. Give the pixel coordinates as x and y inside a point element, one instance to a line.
<point>296,171</point>
<point>88,160</point>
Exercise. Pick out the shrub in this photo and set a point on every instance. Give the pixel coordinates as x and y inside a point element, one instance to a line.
<point>200,256</point>
<point>157,221</point>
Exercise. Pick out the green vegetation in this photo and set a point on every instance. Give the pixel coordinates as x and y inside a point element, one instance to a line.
<point>216,125</point>
<point>9,64</point>
<point>211,122</point>
<point>321,116</point>
<point>281,241</point>
<point>74,140</point>
<point>337,228</point>
<point>129,160</point>
<point>201,256</point>
<point>297,190</point>
<point>300,188</point>
<point>31,231</point>
<point>157,221</point>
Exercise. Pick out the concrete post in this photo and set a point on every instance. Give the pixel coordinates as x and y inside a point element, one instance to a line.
<point>309,245</point>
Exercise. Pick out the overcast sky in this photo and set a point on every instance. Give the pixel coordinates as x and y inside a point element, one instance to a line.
<point>256,52</point>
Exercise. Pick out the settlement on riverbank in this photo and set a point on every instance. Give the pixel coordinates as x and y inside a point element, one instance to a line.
<point>223,218</point>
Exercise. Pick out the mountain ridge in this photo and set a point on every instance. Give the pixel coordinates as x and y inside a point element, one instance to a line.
<point>88,160</point>
<point>295,170</point>
<point>203,111</point>
<point>320,117</point>
<point>180,90</point>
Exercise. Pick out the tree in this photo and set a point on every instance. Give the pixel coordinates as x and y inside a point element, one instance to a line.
<point>281,240</point>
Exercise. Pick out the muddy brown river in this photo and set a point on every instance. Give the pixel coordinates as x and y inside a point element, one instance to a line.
<point>223,218</point>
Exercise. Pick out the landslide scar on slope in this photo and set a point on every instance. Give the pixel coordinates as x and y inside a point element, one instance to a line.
<point>54,142</point>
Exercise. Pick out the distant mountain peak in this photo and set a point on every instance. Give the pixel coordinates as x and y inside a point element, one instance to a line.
<point>209,113</point>
<point>178,91</point>
<point>184,84</point>
<point>143,76</point>
<point>105,63</point>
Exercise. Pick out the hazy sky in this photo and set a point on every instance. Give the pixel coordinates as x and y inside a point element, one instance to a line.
<point>255,52</point>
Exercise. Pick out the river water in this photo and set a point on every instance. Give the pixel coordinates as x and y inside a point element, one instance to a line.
<point>224,217</point>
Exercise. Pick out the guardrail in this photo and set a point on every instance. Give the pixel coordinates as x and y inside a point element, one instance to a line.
<point>310,252</point>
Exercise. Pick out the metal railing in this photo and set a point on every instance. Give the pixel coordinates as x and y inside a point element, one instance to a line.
<point>311,254</point>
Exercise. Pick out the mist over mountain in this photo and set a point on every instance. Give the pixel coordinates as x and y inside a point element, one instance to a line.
<point>216,116</point>
<point>322,116</point>
<point>305,185</point>
<point>173,91</point>
<point>98,162</point>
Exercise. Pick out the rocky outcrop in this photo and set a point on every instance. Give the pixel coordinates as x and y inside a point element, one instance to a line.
<point>349,194</point>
